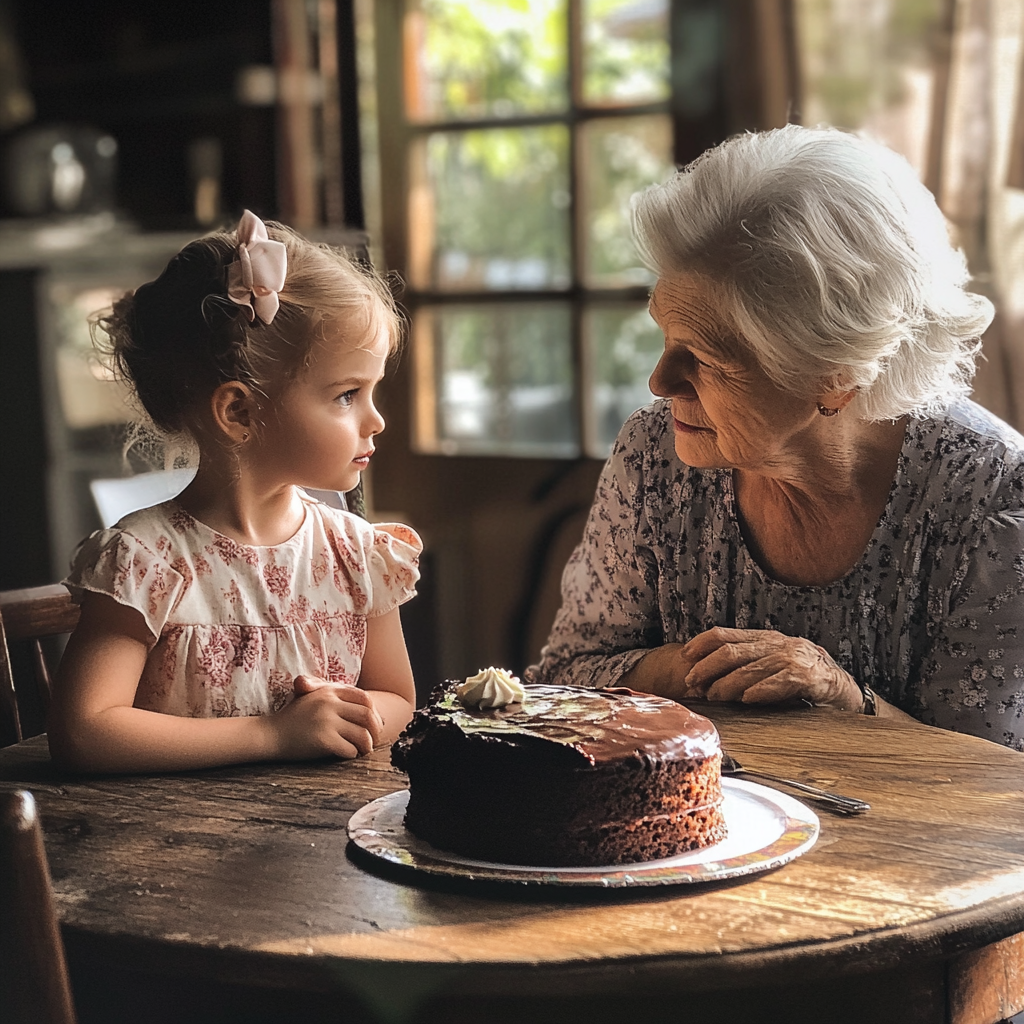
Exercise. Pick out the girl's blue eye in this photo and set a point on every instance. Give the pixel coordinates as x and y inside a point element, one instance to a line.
<point>347,397</point>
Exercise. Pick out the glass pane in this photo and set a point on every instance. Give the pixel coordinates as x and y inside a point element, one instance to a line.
<point>484,58</point>
<point>489,209</point>
<point>502,381</point>
<point>625,51</point>
<point>625,344</point>
<point>619,156</point>
<point>875,73</point>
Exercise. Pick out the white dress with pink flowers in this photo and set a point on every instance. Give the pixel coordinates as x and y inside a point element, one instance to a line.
<point>236,624</point>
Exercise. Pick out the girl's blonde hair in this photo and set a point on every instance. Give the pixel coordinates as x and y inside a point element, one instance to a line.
<point>176,339</point>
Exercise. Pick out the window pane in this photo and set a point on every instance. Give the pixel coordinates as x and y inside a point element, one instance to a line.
<point>89,394</point>
<point>625,344</point>
<point>484,58</point>
<point>502,379</point>
<point>872,72</point>
<point>619,157</point>
<point>625,51</point>
<point>489,209</point>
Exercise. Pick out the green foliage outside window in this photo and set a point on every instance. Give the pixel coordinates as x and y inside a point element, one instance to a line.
<point>494,57</point>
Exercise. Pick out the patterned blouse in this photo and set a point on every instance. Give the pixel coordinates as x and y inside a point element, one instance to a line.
<point>931,617</point>
<point>236,624</point>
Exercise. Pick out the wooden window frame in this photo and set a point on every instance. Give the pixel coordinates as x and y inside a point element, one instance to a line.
<point>752,84</point>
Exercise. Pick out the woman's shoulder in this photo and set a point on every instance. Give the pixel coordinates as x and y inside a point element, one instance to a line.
<point>968,463</point>
<point>644,451</point>
<point>968,440</point>
<point>645,443</point>
<point>968,424</point>
<point>647,427</point>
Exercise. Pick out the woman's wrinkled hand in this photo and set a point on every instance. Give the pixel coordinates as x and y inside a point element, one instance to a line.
<point>752,666</point>
<point>762,666</point>
<point>326,718</point>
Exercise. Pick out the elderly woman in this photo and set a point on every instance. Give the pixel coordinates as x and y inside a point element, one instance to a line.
<point>814,511</point>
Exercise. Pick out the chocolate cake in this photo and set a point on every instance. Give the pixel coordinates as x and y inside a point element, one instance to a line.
<point>562,777</point>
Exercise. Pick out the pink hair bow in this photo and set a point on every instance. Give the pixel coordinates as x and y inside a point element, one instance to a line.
<point>255,278</point>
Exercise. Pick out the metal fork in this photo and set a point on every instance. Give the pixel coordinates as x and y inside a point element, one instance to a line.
<point>843,804</point>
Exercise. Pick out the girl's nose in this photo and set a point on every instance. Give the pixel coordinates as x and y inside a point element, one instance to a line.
<point>374,422</point>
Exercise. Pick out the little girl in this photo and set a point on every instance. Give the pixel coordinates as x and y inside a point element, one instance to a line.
<point>243,620</point>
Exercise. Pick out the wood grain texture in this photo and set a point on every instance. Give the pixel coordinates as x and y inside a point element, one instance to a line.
<point>240,875</point>
<point>987,984</point>
<point>37,612</point>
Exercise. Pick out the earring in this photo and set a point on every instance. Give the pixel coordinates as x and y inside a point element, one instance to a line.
<point>245,437</point>
<point>826,411</point>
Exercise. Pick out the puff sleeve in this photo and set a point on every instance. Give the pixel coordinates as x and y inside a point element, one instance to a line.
<point>392,565</point>
<point>118,564</point>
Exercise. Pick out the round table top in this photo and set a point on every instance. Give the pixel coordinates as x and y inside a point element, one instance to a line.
<point>247,868</point>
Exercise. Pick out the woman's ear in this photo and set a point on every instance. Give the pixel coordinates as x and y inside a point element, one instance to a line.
<point>835,399</point>
<point>234,407</point>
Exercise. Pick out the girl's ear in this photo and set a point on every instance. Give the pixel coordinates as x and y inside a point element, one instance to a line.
<point>233,406</point>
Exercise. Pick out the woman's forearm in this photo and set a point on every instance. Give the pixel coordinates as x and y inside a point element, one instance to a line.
<point>590,671</point>
<point>661,670</point>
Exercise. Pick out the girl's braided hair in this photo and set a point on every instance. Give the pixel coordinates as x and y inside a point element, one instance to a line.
<point>174,340</point>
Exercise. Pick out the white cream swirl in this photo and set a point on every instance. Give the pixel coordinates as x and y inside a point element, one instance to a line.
<point>490,688</point>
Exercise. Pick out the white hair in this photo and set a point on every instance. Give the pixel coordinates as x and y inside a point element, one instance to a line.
<point>831,261</point>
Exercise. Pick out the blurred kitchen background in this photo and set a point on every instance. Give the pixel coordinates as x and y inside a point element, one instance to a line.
<point>484,151</point>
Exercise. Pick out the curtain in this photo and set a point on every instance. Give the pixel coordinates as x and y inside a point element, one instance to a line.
<point>978,177</point>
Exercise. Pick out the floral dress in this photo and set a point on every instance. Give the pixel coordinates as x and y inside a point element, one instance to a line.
<point>931,617</point>
<point>234,625</point>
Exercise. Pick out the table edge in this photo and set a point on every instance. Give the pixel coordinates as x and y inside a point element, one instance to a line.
<point>319,971</point>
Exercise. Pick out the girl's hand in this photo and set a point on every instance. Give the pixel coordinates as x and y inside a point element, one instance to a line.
<point>326,718</point>
<point>761,666</point>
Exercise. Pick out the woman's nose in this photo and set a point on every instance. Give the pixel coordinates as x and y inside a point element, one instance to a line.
<point>671,377</point>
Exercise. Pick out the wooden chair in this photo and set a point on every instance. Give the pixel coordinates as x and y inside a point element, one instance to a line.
<point>29,615</point>
<point>115,497</point>
<point>34,986</point>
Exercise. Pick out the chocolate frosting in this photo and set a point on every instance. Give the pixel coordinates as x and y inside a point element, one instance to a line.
<point>602,725</point>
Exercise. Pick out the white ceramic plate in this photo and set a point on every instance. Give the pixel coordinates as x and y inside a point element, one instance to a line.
<point>766,830</point>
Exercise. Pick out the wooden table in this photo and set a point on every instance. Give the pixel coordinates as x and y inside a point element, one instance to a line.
<point>228,895</point>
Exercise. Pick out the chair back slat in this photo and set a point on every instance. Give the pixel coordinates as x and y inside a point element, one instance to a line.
<point>10,720</point>
<point>34,987</point>
<point>29,615</point>
<point>42,673</point>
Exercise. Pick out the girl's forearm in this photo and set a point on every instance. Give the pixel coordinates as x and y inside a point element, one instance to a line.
<point>395,712</point>
<point>129,739</point>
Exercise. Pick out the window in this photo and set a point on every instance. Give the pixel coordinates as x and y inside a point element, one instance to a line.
<point>524,129</point>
